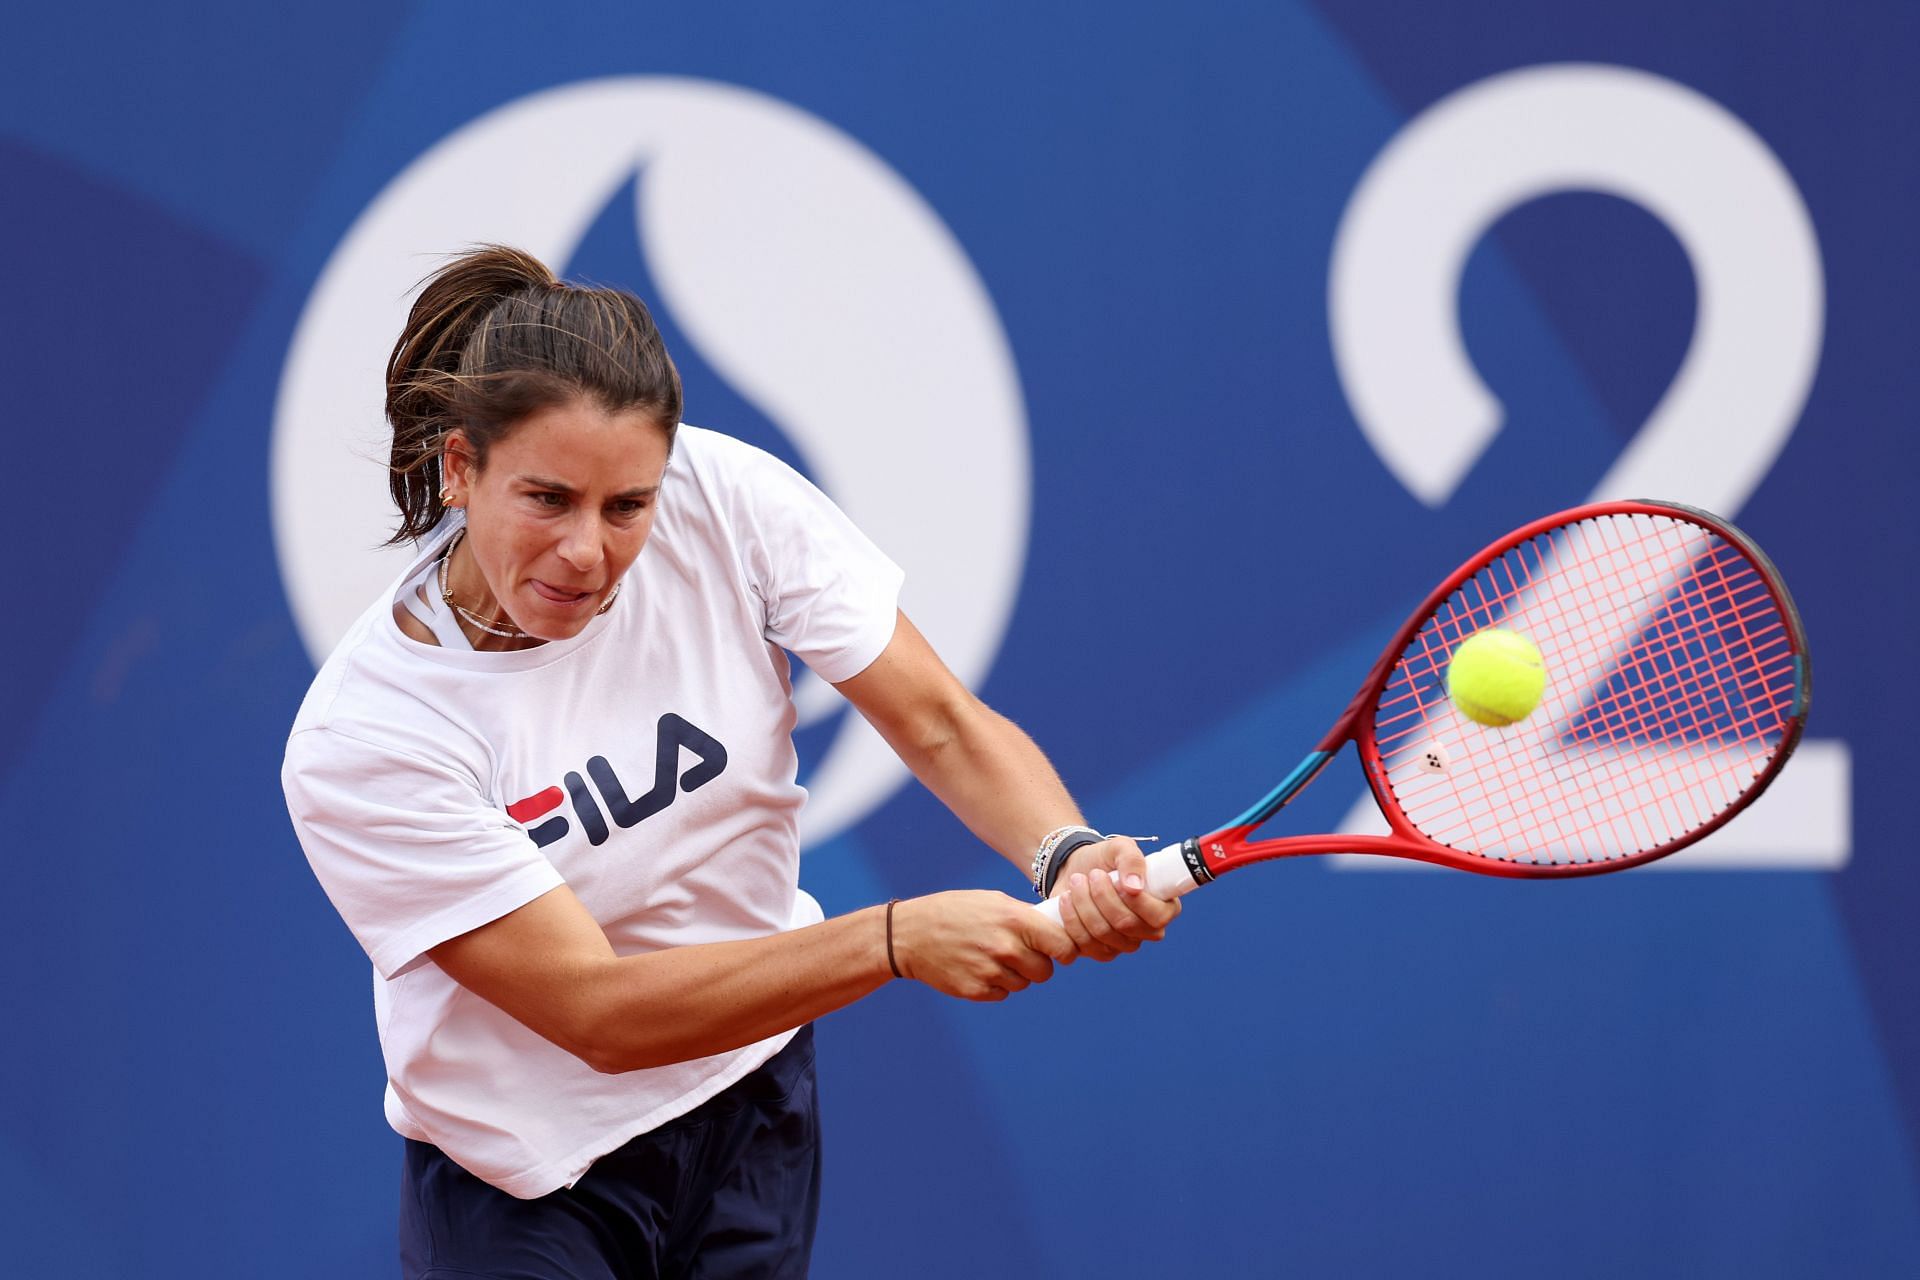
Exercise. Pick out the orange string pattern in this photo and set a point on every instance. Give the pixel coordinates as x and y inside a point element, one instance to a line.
<point>1671,684</point>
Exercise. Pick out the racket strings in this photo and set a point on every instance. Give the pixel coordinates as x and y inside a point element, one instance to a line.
<point>1485,611</point>
<point>1671,683</point>
<point>1678,686</point>
<point>1635,727</point>
<point>1665,683</point>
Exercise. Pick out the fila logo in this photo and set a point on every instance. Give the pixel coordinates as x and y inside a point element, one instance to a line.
<point>674,733</point>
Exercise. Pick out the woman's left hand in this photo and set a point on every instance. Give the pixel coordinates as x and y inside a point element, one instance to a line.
<point>1105,917</point>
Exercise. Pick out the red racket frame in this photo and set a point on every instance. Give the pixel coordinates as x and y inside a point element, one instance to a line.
<point>1228,848</point>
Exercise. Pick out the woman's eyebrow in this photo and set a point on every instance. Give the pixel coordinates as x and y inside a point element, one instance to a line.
<point>559,486</point>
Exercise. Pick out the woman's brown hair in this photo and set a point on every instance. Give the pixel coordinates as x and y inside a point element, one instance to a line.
<point>493,337</point>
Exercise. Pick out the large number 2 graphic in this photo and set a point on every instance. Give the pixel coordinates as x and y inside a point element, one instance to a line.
<point>1393,303</point>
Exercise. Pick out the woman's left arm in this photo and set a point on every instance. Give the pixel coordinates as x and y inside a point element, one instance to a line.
<point>996,781</point>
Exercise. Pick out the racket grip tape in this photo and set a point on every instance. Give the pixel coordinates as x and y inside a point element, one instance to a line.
<point>1167,877</point>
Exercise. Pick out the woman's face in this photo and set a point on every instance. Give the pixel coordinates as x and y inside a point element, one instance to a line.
<point>557,515</point>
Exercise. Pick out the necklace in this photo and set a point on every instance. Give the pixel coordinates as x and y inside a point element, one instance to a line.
<point>488,625</point>
<point>491,625</point>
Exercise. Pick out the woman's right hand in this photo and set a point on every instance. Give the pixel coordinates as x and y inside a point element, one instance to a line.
<point>976,944</point>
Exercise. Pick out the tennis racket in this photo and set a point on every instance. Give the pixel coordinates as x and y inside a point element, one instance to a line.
<point>1677,686</point>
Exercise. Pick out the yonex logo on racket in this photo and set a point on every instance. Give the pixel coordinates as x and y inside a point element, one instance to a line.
<point>673,733</point>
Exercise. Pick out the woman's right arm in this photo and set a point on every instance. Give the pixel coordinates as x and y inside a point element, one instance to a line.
<point>549,965</point>
<point>423,869</point>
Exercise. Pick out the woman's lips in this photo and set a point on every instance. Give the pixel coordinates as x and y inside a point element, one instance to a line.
<point>554,595</point>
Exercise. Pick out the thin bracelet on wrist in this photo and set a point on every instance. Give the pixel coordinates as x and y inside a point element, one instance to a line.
<point>891,962</point>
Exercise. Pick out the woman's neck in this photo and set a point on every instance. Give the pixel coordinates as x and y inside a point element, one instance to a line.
<point>485,624</point>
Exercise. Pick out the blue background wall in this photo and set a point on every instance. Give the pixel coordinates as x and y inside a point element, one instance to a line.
<point>1327,1072</point>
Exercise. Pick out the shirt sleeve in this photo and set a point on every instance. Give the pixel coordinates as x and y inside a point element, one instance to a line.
<point>831,595</point>
<point>408,850</point>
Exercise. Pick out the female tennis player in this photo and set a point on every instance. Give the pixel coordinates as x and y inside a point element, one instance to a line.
<point>548,781</point>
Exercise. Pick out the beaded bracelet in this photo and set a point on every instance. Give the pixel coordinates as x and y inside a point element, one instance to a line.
<point>1061,853</point>
<point>1053,851</point>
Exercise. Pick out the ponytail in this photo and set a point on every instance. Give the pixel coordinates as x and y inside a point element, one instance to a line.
<point>495,336</point>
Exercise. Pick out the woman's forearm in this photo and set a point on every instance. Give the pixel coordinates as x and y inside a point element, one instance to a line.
<point>995,779</point>
<point>692,1001</point>
<point>980,764</point>
<point>549,965</point>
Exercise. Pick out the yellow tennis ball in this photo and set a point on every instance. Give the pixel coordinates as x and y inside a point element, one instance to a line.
<point>1496,677</point>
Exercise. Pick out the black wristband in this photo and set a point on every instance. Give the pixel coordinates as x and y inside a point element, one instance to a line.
<point>1065,850</point>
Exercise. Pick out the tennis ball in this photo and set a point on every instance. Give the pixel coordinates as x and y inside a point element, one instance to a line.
<point>1496,677</point>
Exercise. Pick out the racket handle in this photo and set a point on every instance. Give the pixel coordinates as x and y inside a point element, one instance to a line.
<point>1167,877</point>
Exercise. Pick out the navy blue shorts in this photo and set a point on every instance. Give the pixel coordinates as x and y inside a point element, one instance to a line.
<point>732,1188</point>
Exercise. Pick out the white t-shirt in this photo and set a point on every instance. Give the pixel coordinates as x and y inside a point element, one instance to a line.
<point>647,763</point>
